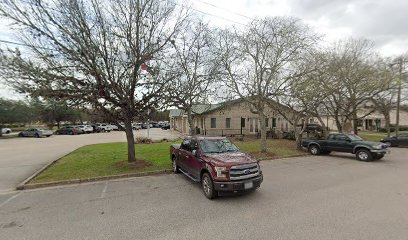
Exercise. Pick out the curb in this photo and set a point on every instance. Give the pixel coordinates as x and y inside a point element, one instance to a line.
<point>283,157</point>
<point>23,184</point>
<point>85,180</point>
<point>26,185</point>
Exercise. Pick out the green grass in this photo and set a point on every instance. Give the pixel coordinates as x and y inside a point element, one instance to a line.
<point>106,159</point>
<point>276,148</point>
<point>111,159</point>
<point>375,137</point>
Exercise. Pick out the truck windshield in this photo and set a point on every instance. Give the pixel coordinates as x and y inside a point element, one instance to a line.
<point>217,146</point>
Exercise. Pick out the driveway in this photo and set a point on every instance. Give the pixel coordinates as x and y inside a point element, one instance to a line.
<point>324,197</point>
<point>21,157</point>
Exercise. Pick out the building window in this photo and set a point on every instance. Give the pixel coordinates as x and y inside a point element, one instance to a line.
<point>228,123</point>
<point>266,122</point>
<point>213,122</point>
<point>242,122</point>
<point>273,122</point>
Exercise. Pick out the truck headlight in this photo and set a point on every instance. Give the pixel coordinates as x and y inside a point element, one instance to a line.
<point>378,146</point>
<point>221,171</point>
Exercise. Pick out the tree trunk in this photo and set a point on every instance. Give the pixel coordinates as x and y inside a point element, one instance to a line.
<point>190,122</point>
<point>387,123</point>
<point>324,127</point>
<point>130,141</point>
<point>355,128</point>
<point>299,134</point>
<point>339,126</point>
<point>1,131</point>
<point>58,124</point>
<point>263,131</point>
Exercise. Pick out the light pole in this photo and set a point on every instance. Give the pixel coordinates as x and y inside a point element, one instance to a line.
<point>399,83</point>
<point>399,86</point>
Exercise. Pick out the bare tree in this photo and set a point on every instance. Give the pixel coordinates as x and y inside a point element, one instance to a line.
<point>258,61</point>
<point>304,97</point>
<point>386,101</point>
<point>107,54</point>
<point>351,79</point>
<point>195,67</point>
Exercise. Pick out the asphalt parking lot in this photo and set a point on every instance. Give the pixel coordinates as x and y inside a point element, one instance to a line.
<point>21,157</point>
<point>323,197</point>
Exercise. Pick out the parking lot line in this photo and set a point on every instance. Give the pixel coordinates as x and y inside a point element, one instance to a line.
<point>9,199</point>
<point>103,193</point>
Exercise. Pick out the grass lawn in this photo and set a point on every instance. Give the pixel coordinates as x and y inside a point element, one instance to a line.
<point>373,136</point>
<point>276,148</point>
<point>376,136</point>
<point>106,159</point>
<point>111,159</point>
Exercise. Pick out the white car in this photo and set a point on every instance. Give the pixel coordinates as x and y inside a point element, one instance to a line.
<point>6,130</point>
<point>86,128</point>
<point>114,127</point>
<point>104,127</point>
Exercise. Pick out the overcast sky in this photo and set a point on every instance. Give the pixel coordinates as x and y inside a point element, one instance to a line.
<point>382,21</point>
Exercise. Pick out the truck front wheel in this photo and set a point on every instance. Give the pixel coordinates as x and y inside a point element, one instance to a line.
<point>314,149</point>
<point>364,155</point>
<point>208,186</point>
<point>174,165</point>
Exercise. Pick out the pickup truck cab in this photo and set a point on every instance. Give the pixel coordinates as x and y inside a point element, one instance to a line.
<point>349,143</point>
<point>217,164</point>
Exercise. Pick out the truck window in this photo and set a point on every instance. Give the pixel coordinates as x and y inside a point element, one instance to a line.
<point>193,145</point>
<point>341,137</point>
<point>185,145</point>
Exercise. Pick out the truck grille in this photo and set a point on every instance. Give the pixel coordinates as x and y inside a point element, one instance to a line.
<point>245,171</point>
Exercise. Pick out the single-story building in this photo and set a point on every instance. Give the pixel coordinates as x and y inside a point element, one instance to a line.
<point>369,119</point>
<point>225,119</point>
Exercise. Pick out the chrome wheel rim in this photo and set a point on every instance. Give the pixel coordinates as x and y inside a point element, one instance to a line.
<point>206,185</point>
<point>174,166</point>
<point>363,155</point>
<point>313,150</point>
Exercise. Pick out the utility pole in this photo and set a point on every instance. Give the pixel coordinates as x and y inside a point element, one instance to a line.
<point>398,97</point>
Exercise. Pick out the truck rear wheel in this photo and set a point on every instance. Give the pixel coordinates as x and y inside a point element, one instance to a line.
<point>314,149</point>
<point>208,186</point>
<point>364,155</point>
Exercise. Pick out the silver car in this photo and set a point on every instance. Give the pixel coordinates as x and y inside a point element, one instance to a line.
<point>35,132</point>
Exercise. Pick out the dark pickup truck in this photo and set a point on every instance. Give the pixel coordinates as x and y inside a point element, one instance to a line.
<point>350,143</point>
<point>217,164</point>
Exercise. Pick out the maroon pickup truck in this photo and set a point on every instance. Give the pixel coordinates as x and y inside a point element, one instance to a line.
<point>217,164</point>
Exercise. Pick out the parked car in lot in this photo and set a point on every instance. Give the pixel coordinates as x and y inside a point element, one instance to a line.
<point>68,130</point>
<point>6,130</point>
<point>394,141</point>
<point>113,127</point>
<point>104,127</point>
<point>137,126</point>
<point>96,129</point>
<point>312,127</point>
<point>85,128</point>
<point>349,143</point>
<point>165,126</point>
<point>217,164</point>
<point>35,132</point>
